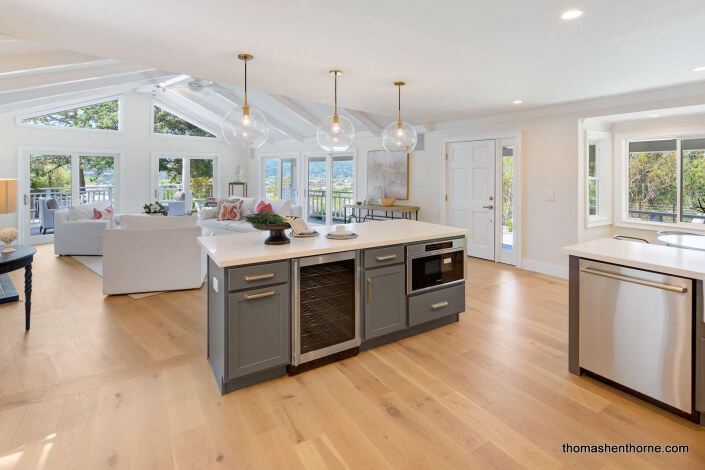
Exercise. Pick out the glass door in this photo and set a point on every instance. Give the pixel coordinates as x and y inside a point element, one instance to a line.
<point>180,182</point>
<point>505,224</point>
<point>281,178</point>
<point>52,181</point>
<point>330,186</point>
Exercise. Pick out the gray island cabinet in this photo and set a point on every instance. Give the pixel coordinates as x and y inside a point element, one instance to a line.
<point>253,296</point>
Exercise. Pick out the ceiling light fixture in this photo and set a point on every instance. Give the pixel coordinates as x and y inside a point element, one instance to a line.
<point>335,133</point>
<point>399,136</point>
<point>517,102</point>
<point>245,126</point>
<point>572,14</point>
<point>699,69</point>
<point>654,115</point>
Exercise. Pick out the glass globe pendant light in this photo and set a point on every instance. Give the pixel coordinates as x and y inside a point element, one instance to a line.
<point>335,133</point>
<point>245,126</point>
<point>399,136</point>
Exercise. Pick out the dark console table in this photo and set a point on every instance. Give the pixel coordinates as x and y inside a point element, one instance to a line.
<point>22,257</point>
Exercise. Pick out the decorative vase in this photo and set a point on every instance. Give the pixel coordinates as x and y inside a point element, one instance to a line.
<point>276,233</point>
<point>8,235</point>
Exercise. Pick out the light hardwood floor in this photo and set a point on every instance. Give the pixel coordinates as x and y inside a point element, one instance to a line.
<point>121,383</point>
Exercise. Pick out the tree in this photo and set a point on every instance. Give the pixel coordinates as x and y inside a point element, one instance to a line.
<point>652,180</point>
<point>167,123</point>
<point>96,116</point>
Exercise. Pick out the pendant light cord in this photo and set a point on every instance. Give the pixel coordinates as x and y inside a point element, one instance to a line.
<point>335,88</point>
<point>245,82</point>
<point>399,87</point>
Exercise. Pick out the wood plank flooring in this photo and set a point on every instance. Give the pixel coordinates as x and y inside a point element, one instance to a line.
<point>112,382</point>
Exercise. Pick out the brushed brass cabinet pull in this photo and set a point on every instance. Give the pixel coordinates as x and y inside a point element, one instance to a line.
<point>369,290</point>
<point>386,257</point>
<point>260,295</point>
<point>439,305</point>
<point>259,277</point>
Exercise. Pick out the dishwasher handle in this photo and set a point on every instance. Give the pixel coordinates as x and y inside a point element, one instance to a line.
<point>619,277</point>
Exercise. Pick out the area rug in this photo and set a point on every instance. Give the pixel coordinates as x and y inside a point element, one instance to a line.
<point>95,264</point>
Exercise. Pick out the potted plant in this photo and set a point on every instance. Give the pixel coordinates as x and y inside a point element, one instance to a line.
<point>154,209</point>
<point>275,223</point>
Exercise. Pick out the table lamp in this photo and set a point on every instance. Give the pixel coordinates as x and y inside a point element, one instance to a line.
<point>8,205</point>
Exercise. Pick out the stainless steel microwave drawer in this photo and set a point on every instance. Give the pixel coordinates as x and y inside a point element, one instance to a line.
<point>436,304</point>
<point>258,275</point>
<point>385,256</point>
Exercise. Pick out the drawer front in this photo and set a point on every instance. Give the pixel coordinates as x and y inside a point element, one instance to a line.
<point>258,275</point>
<point>384,256</point>
<point>436,304</point>
<point>259,334</point>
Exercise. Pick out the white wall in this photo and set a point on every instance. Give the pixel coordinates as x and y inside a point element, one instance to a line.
<point>549,163</point>
<point>135,142</point>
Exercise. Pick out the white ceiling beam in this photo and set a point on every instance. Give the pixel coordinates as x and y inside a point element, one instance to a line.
<point>273,122</point>
<point>165,83</point>
<point>26,62</point>
<point>366,121</point>
<point>296,109</point>
<point>194,111</point>
<point>32,97</point>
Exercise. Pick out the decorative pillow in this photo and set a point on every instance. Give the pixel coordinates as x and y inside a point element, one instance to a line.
<point>104,214</point>
<point>85,211</point>
<point>263,206</point>
<point>281,207</point>
<point>180,196</point>
<point>231,211</point>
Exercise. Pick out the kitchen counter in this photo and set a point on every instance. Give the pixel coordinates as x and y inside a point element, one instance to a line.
<point>658,258</point>
<point>249,248</point>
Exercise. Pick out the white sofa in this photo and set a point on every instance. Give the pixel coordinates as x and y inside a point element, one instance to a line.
<point>77,233</point>
<point>149,254</point>
<point>209,217</point>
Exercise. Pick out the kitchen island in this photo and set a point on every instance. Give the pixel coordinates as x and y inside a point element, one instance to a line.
<point>636,320</point>
<point>274,309</point>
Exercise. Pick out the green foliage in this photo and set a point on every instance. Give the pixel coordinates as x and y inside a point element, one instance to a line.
<point>96,116</point>
<point>167,123</point>
<point>653,180</point>
<point>693,182</point>
<point>507,192</point>
<point>156,208</point>
<point>50,171</point>
<point>265,218</point>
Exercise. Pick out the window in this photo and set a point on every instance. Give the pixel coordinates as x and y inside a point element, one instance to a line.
<point>666,181</point>
<point>170,124</point>
<point>101,116</point>
<point>598,156</point>
<point>280,178</point>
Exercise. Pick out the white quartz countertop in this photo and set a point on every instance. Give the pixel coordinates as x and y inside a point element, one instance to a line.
<point>659,258</point>
<point>249,248</point>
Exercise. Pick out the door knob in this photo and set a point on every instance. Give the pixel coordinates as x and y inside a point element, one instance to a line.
<point>488,207</point>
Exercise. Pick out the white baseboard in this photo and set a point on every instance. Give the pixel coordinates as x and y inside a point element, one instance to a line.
<point>545,268</point>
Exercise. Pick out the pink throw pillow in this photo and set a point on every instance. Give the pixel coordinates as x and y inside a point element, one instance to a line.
<point>263,206</point>
<point>231,211</point>
<point>104,214</point>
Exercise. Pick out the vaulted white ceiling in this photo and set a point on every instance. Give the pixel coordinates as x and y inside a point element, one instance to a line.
<point>461,58</point>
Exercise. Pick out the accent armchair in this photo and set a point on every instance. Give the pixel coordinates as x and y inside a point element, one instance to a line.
<point>47,208</point>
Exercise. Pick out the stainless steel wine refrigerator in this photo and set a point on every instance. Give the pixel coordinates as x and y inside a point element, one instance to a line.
<point>326,310</point>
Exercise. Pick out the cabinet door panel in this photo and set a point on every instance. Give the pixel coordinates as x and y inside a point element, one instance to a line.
<point>384,301</point>
<point>259,330</point>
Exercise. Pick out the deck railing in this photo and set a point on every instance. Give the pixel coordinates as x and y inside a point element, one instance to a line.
<point>317,204</point>
<point>657,214</point>
<point>63,196</point>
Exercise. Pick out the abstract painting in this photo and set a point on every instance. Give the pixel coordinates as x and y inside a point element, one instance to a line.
<point>387,175</point>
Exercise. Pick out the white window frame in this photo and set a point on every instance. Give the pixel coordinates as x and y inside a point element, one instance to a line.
<point>262,184</point>
<point>603,163</point>
<point>23,154</point>
<point>186,168</point>
<point>621,168</point>
<point>190,119</point>
<point>40,111</point>
<point>329,156</point>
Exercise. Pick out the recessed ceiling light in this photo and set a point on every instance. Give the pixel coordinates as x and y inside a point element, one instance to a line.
<point>699,69</point>
<point>572,14</point>
<point>517,102</point>
<point>654,115</point>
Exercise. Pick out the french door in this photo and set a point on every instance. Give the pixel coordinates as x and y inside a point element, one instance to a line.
<point>194,176</point>
<point>330,184</point>
<point>281,177</point>
<point>54,179</point>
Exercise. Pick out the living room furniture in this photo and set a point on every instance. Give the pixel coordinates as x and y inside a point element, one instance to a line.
<point>231,188</point>
<point>151,254</point>
<point>174,208</point>
<point>405,212</point>
<point>22,257</point>
<point>75,233</point>
<point>47,208</point>
<point>209,216</point>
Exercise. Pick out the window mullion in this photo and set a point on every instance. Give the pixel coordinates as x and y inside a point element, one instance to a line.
<point>679,180</point>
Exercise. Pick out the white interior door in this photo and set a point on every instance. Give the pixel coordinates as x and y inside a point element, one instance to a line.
<point>471,194</point>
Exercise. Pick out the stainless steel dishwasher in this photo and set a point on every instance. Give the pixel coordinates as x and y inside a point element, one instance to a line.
<point>636,330</point>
